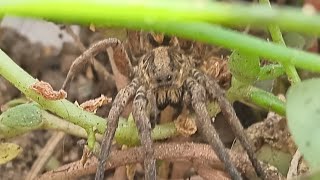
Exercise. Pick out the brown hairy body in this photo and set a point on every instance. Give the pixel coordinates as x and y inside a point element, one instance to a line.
<point>165,76</point>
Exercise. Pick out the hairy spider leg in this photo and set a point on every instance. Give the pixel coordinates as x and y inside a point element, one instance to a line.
<point>144,127</point>
<point>215,91</point>
<point>198,102</point>
<point>84,58</point>
<point>119,103</point>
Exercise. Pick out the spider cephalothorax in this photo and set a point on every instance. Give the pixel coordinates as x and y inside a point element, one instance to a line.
<point>164,71</point>
<point>165,76</point>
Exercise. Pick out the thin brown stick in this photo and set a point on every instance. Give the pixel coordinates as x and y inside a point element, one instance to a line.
<point>293,169</point>
<point>120,173</point>
<point>170,151</point>
<point>45,154</point>
<point>120,80</point>
<point>210,174</point>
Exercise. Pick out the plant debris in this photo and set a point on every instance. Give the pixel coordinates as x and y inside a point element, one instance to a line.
<point>93,104</point>
<point>185,124</point>
<point>46,91</point>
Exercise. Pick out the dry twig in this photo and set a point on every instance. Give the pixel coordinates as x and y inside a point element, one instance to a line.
<point>293,169</point>
<point>45,154</point>
<point>172,151</point>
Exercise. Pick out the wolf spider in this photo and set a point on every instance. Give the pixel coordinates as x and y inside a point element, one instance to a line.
<point>164,77</point>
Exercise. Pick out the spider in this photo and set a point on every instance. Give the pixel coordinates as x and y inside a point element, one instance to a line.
<point>164,76</point>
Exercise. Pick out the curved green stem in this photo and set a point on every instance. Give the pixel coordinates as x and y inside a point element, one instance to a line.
<point>276,35</point>
<point>63,108</point>
<point>249,94</point>
<point>28,117</point>
<point>52,122</point>
<point>217,35</point>
<point>266,100</point>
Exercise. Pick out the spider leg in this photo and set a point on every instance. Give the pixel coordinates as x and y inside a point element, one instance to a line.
<point>198,99</point>
<point>119,103</point>
<point>144,127</point>
<point>215,91</point>
<point>119,53</point>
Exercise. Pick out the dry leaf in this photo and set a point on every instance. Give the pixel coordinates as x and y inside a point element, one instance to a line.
<point>121,60</point>
<point>9,151</point>
<point>185,124</point>
<point>46,91</point>
<point>93,104</point>
<point>217,68</point>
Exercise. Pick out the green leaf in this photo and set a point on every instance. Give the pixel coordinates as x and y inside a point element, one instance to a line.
<point>20,119</point>
<point>22,116</point>
<point>244,67</point>
<point>303,113</point>
<point>294,40</point>
<point>8,151</point>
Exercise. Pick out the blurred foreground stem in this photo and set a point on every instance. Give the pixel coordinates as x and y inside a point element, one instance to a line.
<point>276,35</point>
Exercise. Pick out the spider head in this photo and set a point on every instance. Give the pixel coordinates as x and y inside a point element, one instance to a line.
<point>164,67</point>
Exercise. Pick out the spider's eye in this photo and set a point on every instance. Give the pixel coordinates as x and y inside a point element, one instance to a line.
<point>169,78</point>
<point>159,80</point>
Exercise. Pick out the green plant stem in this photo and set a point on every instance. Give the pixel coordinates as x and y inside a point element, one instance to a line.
<point>63,108</point>
<point>249,94</point>
<point>127,132</point>
<point>217,35</point>
<point>52,122</point>
<point>100,12</point>
<point>13,102</point>
<point>265,100</point>
<point>292,73</point>
<point>276,35</point>
<point>274,30</point>
<point>28,117</point>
